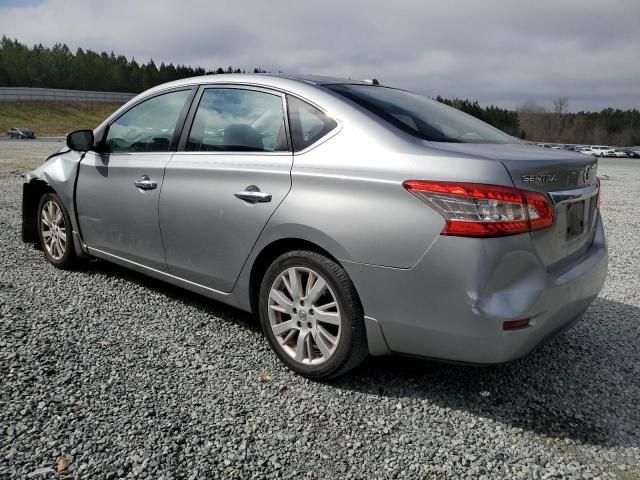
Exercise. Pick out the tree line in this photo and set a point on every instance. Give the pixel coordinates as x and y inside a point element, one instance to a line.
<point>59,67</point>
<point>607,127</point>
<point>537,123</point>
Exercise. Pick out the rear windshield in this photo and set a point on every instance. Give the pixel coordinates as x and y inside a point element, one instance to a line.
<point>420,116</point>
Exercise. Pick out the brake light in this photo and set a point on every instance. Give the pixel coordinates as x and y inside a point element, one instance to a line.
<point>515,324</point>
<point>480,210</point>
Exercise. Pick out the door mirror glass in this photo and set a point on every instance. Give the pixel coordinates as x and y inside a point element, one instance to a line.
<point>80,140</point>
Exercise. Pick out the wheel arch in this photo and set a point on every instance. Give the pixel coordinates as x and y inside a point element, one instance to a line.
<point>269,253</point>
<point>32,192</point>
<point>376,342</point>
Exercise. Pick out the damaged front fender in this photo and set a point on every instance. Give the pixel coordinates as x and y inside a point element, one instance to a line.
<point>57,175</point>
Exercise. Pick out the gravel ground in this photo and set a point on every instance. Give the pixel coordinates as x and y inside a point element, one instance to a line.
<point>105,373</point>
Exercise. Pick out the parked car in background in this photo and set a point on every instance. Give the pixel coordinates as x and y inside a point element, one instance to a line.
<point>632,152</point>
<point>601,150</point>
<point>586,151</point>
<point>352,218</point>
<point>596,150</point>
<point>574,148</point>
<point>21,133</point>
<point>619,153</point>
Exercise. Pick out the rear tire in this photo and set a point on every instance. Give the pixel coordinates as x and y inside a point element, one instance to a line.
<point>54,232</point>
<point>312,316</point>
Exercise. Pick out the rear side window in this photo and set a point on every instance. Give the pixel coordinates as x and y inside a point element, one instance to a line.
<point>308,124</point>
<point>238,120</point>
<point>149,126</point>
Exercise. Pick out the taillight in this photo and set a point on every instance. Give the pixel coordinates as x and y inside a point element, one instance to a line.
<point>479,210</point>
<point>598,193</point>
<point>515,324</point>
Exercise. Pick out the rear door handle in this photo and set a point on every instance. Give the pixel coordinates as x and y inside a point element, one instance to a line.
<point>145,183</point>
<point>252,194</point>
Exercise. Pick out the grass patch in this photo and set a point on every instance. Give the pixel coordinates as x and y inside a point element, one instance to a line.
<point>53,118</point>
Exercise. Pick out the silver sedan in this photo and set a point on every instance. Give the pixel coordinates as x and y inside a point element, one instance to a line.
<point>352,217</point>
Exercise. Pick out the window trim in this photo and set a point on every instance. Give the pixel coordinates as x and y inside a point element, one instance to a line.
<point>101,136</point>
<point>190,117</point>
<point>330,134</point>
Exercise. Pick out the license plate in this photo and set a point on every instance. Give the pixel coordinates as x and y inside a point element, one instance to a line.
<point>575,219</point>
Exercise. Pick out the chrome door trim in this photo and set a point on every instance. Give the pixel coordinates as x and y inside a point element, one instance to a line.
<point>101,131</point>
<point>234,153</point>
<point>253,196</point>
<point>145,183</point>
<point>195,104</point>
<point>284,93</point>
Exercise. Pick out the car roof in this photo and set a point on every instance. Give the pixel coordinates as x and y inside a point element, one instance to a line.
<point>322,80</point>
<point>266,79</point>
<point>310,87</point>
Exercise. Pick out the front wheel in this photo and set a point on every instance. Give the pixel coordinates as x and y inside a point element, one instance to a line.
<point>54,232</point>
<point>311,315</point>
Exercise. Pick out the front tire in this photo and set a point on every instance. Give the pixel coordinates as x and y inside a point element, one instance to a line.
<point>312,316</point>
<point>54,232</point>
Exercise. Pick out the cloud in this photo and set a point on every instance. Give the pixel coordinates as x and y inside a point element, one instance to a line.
<point>501,52</point>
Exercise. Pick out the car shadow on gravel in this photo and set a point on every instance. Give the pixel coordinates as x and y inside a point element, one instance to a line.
<point>584,385</point>
<point>186,297</point>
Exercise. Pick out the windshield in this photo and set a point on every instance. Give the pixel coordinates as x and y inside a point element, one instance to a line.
<point>420,116</point>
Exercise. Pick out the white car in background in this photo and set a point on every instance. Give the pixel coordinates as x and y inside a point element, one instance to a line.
<point>602,151</point>
<point>619,154</point>
<point>586,151</point>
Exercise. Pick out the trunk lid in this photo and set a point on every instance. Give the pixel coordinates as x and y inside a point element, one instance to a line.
<point>569,180</point>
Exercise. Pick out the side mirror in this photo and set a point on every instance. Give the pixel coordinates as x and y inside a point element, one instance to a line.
<point>80,140</point>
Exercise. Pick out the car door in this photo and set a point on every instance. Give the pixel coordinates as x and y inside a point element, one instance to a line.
<point>119,185</point>
<point>232,171</point>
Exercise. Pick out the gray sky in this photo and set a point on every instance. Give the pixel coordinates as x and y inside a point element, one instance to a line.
<point>502,52</point>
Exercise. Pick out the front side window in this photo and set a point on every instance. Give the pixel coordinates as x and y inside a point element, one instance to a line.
<point>420,116</point>
<point>237,120</point>
<point>308,124</point>
<point>147,127</point>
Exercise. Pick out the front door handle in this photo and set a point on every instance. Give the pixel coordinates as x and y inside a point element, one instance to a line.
<point>145,183</point>
<point>252,194</point>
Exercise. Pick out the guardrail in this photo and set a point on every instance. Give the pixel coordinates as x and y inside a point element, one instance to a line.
<point>21,94</point>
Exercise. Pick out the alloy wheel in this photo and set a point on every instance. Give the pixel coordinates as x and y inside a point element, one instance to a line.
<point>54,232</point>
<point>304,315</point>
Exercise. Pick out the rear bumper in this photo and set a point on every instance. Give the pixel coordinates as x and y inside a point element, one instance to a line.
<point>453,303</point>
